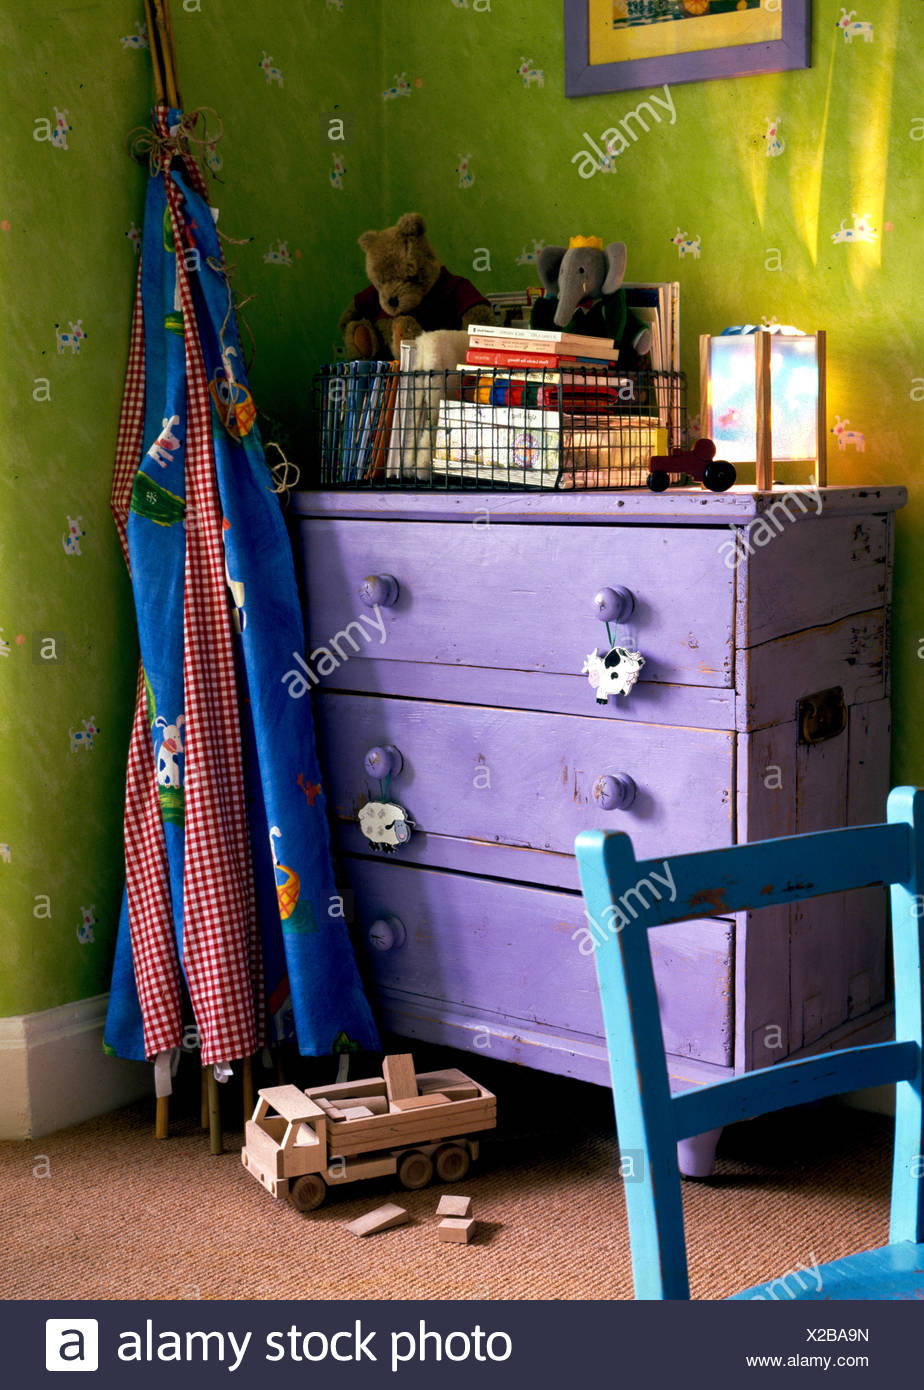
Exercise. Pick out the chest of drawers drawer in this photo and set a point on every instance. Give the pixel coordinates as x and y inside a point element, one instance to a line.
<point>518,597</point>
<point>527,780</point>
<point>540,951</point>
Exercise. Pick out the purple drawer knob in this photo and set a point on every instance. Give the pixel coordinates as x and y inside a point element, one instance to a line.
<point>387,933</point>
<point>614,793</point>
<point>614,605</point>
<point>379,590</point>
<point>383,762</point>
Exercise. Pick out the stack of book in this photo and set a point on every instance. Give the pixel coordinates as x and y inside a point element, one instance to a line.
<point>357,405</point>
<point>495,346</point>
<point>542,408</point>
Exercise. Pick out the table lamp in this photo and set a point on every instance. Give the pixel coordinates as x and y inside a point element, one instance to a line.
<point>762,398</point>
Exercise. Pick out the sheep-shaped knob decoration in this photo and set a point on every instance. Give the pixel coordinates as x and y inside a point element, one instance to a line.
<point>385,825</point>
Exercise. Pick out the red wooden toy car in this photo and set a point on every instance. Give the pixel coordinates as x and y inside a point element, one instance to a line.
<point>699,462</point>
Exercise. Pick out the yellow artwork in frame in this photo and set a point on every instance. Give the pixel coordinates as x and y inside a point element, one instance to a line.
<point>689,26</point>
<point>621,45</point>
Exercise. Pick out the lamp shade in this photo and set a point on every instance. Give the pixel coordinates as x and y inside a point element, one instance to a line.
<point>793,428</point>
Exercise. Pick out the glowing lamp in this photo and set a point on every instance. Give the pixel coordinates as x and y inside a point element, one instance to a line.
<point>762,399</point>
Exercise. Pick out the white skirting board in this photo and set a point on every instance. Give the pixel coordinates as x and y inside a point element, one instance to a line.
<point>54,1073</point>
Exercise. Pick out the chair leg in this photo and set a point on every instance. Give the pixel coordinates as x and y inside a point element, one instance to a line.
<point>696,1155</point>
<point>204,1103</point>
<point>247,1078</point>
<point>214,1112</point>
<point>162,1117</point>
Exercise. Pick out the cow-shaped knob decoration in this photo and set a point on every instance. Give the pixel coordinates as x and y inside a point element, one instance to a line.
<point>614,673</point>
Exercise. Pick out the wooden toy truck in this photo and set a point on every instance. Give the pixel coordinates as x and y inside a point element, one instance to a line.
<point>300,1143</point>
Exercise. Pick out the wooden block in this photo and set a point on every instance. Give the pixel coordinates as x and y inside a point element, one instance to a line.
<point>461,1092</point>
<point>400,1076</point>
<point>454,1206</point>
<point>376,1105</point>
<point>439,1080</point>
<point>382,1219</point>
<point>348,1090</point>
<point>357,1112</point>
<point>456,1230</point>
<point>420,1102</point>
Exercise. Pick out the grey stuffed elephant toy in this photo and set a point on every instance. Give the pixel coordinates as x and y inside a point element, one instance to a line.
<point>583,294</point>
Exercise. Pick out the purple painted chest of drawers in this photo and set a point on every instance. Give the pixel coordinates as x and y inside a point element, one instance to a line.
<point>762,709</point>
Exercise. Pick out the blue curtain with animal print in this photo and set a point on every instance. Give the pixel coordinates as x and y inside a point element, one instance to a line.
<point>311,989</point>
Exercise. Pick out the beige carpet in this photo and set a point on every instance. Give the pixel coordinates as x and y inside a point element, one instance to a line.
<point>121,1215</point>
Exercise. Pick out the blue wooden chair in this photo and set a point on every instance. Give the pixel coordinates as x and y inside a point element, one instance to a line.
<point>652,1121</point>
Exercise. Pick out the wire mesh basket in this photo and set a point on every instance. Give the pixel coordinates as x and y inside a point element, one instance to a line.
<point>374,426</point>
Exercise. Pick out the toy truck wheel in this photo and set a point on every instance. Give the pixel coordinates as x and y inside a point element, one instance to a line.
<point>308,1192</point>
<point>415,1170</point>
<point>719,475</point>
<point>659,481</point>
<point>452,1162</point>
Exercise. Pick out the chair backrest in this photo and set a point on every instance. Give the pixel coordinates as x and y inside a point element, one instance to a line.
<point>624,897</point>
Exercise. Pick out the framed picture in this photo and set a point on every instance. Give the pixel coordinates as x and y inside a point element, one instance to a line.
<point>621,45</point>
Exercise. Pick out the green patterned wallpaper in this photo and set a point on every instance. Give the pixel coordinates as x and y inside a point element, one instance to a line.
<point>454,108</point>
<point>801,194</point>
<point>75,79</point>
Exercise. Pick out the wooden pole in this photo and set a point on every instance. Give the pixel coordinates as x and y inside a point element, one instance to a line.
<point>162,1118</point>
<point>764,478</point>
<point>155,55</point>
<point>821,420</point>
<point>172,42</point>
<point>247,1078</point>
<point>214,1112</point>
<point>166,52</point>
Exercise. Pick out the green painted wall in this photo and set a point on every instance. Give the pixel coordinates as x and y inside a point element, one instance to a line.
<point>64,255</point>
<point>852,128</point>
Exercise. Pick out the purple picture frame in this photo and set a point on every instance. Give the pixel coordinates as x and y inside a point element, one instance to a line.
<point>582,79</point>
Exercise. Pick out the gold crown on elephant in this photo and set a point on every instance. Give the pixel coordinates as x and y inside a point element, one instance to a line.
<point>595,241</point>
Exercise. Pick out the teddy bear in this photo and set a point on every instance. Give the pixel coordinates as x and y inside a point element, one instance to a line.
<point>410,293</point>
